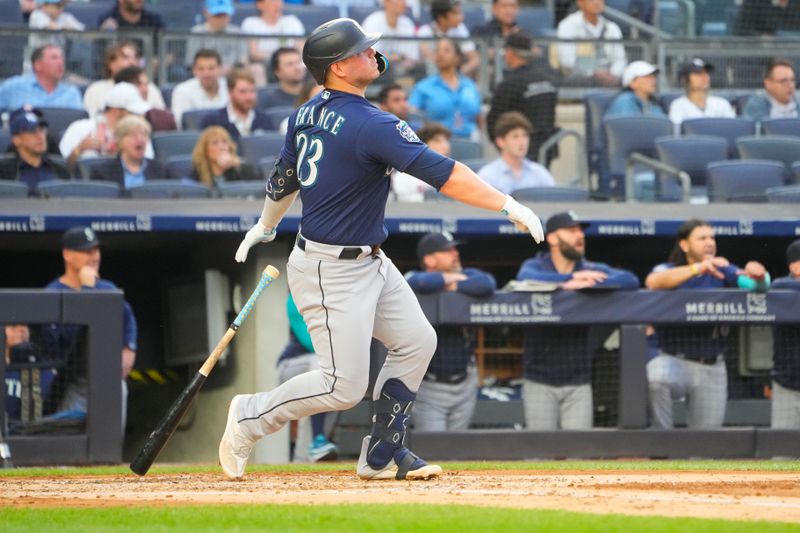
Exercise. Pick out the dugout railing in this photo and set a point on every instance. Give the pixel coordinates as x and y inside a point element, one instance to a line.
<point>100,440</point>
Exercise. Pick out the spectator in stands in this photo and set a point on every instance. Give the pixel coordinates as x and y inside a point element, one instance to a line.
<point>391,21</point>
<point>43,88</point>
<point>786,362</point>
<point>697,102</point>
<point>638,95</point>
<point>94,137</point>
<point>600,63</point>
<point>513,170</point>
<point>449,391</point>
<point>527,88</point>
<point>118,57</point>
<point>129,14</point>
<point>449,96</point>
<point>214,159</point>
<point>503,22</point>
<point>218,13</point>
<point>29,161</point>
<point>50,15</point>
<point>240,117</point>
<point>691,359</point>
<point>81,254</point>
<point>778,100</point>
<point>393,99</point>
<point>557,360</point>
<point>767,17</point>
<point>448,21</point>
<point>288,67</point>
<point>406,187</point>
<point>159,119</point>
<point>130,168</point>
<point>272,21</point>
<point>27,7</point>
<point>206,90</point>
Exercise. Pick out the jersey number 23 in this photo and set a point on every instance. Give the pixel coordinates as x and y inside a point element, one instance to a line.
<point>309,152</point>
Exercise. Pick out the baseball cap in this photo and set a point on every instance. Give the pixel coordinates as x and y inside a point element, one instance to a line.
<point>519,40</point>
<point>435,242</point>
<point>219,7</point>
<point>25,119</point>
<point>637,69</point>
<point>694,65</point>
<point>565,219</point>
<point>44,2</point>
<point>79,238</point>
<point>126,96</point>
<point>793,252</point>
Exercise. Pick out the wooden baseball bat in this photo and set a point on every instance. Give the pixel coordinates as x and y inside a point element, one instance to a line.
<point>159,437</point>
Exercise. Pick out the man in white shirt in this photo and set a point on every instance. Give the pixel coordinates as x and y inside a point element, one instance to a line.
<point>218,15</point>
<point>391,22</point>
<point>271,21</point>
<point>407,188</point>
<point>94,137</point>
<point>593,63</point>
<point>513,170</point>
<point>448,20</point>
<point>206,90</point>
<point>697,102</point>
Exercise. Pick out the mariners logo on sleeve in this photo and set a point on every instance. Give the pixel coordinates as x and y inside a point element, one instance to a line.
<point>406,132</point>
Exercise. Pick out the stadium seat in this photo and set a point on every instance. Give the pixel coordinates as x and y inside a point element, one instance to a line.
<point>179,167</point>
<point>242,12</point>
<point>730,128</point>
<point>170,143</point>
<point>596,104</point>
<point>166,91</point>
<point>191,120</point>
<point>461,149</point>
<point>743,181</point>
<point>86,165</point>
<point>476,164</point>
<point>310,15</point>
<point>10,13</point>
<point>474,17</point>
<point>796,172</point>
<point>242,189</point>
<point>783,148</point>
<point>624,136</point>
<point>784,195</point>
<point>551,194</point>
<point>13,189</point>
<point>5,140</point>
<point>78,189</point>
<point>277,115</point>
<point>169,189</point>
<point>690,153</point>
<point>252,148</point>
<point>179,14</point>
<point>667,97</point>
<point>14,51</point>
<point>265,96</point>
<point>89,12</point>
<point>781,126</point>
<point>59,118</point>
<point>535,20</point>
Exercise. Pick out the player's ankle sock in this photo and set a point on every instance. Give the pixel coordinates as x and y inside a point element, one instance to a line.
<point>389,424</point>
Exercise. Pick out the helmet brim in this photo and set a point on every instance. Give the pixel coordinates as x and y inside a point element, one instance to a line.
<point>367,41</point>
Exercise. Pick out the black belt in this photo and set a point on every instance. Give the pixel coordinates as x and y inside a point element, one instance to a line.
<point>451,379</point>
<point>348,252</point>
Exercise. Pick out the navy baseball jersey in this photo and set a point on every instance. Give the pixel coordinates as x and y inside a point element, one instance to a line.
<point>344,150</point>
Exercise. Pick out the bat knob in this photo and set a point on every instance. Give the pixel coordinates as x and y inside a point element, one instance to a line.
<point>272,272</point>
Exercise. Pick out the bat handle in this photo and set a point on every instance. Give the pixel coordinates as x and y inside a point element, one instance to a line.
<point>267,277</point>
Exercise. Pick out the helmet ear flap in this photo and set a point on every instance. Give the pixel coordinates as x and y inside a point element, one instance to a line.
<point>383,62</point>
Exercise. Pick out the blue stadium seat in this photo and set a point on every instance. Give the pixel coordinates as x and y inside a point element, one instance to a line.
<point>461,149</point>
<point>476,164</point>
<point>265,96</point>
<point>5,140</point>
<point>179,14</point>
<point>78,189</point>
<point>242,189</point>
<point>690,153</point>
<point>166,91</point>
<point>169,189</point>
<point>667,97</point>
<point>551,194</point>
<point>783,148</point>
<point>474,17</point>
<point>789,194</point>
<point>730,128</point>
<point>743,181</point>
<point>89,12</point>
<point>59,118</point>
<point>86,165</point>
<point>278,114</point>
<point>781,126</point>
<point>191,120</point>
<point>243,11</point>
<point>10,13</point>
<point>595,105</point>
<point>179,167</point>
<point>310,15</point>
<point>170,143</point>
<point>624,136</point>
<point>359,13</point>
<point>536,20</point>
<point>253,147</point>
<point>14,48</point>
<point>13,189</point>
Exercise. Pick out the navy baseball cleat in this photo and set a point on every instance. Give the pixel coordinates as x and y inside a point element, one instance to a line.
<point>235,447</point>
<point>404,465</point>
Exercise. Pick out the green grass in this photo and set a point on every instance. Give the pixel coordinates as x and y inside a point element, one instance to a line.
<point>348,518</point>
<point>637,465</point>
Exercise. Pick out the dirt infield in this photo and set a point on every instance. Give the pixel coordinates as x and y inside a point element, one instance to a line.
<point>708,494</point>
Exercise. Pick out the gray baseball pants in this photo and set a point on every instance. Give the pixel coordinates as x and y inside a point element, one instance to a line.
<point>785,408</point>
<point>549,408</point>
<point>444,406</point>
<point>287,369</point>
<point>345,303</point>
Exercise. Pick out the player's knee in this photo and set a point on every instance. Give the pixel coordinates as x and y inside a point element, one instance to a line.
<point>426,339</point>
<point>349,392</point>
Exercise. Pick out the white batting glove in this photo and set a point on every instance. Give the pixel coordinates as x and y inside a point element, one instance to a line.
<point>523,218</point>
<point>258,233</point>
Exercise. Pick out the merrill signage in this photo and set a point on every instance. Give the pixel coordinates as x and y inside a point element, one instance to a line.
<point>538,310</point>
<point>749,307</point>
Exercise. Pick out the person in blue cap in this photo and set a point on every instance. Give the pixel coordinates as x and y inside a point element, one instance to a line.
<point>217,15</point>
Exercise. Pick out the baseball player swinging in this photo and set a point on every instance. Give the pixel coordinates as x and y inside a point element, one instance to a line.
<point>338,155</point>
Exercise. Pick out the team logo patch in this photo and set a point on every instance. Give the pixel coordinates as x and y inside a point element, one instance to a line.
<point>406,132</point>
<point>326,95</point>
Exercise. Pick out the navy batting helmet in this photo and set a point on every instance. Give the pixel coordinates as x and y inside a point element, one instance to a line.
<point>336,40</point>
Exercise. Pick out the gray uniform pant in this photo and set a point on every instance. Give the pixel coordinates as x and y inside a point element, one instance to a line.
<point>549,408</point>
<point>287,369</point>
<point>785,407</point>
<point>704,386</point>
<point>344,303</point>
<point>444,406</point>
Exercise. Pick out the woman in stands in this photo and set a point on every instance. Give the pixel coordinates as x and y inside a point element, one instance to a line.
<point>214,159</point>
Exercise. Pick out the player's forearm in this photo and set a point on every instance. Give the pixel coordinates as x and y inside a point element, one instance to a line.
<point>274,211</point>
<point>467,187</point>
<point>669,279</point>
